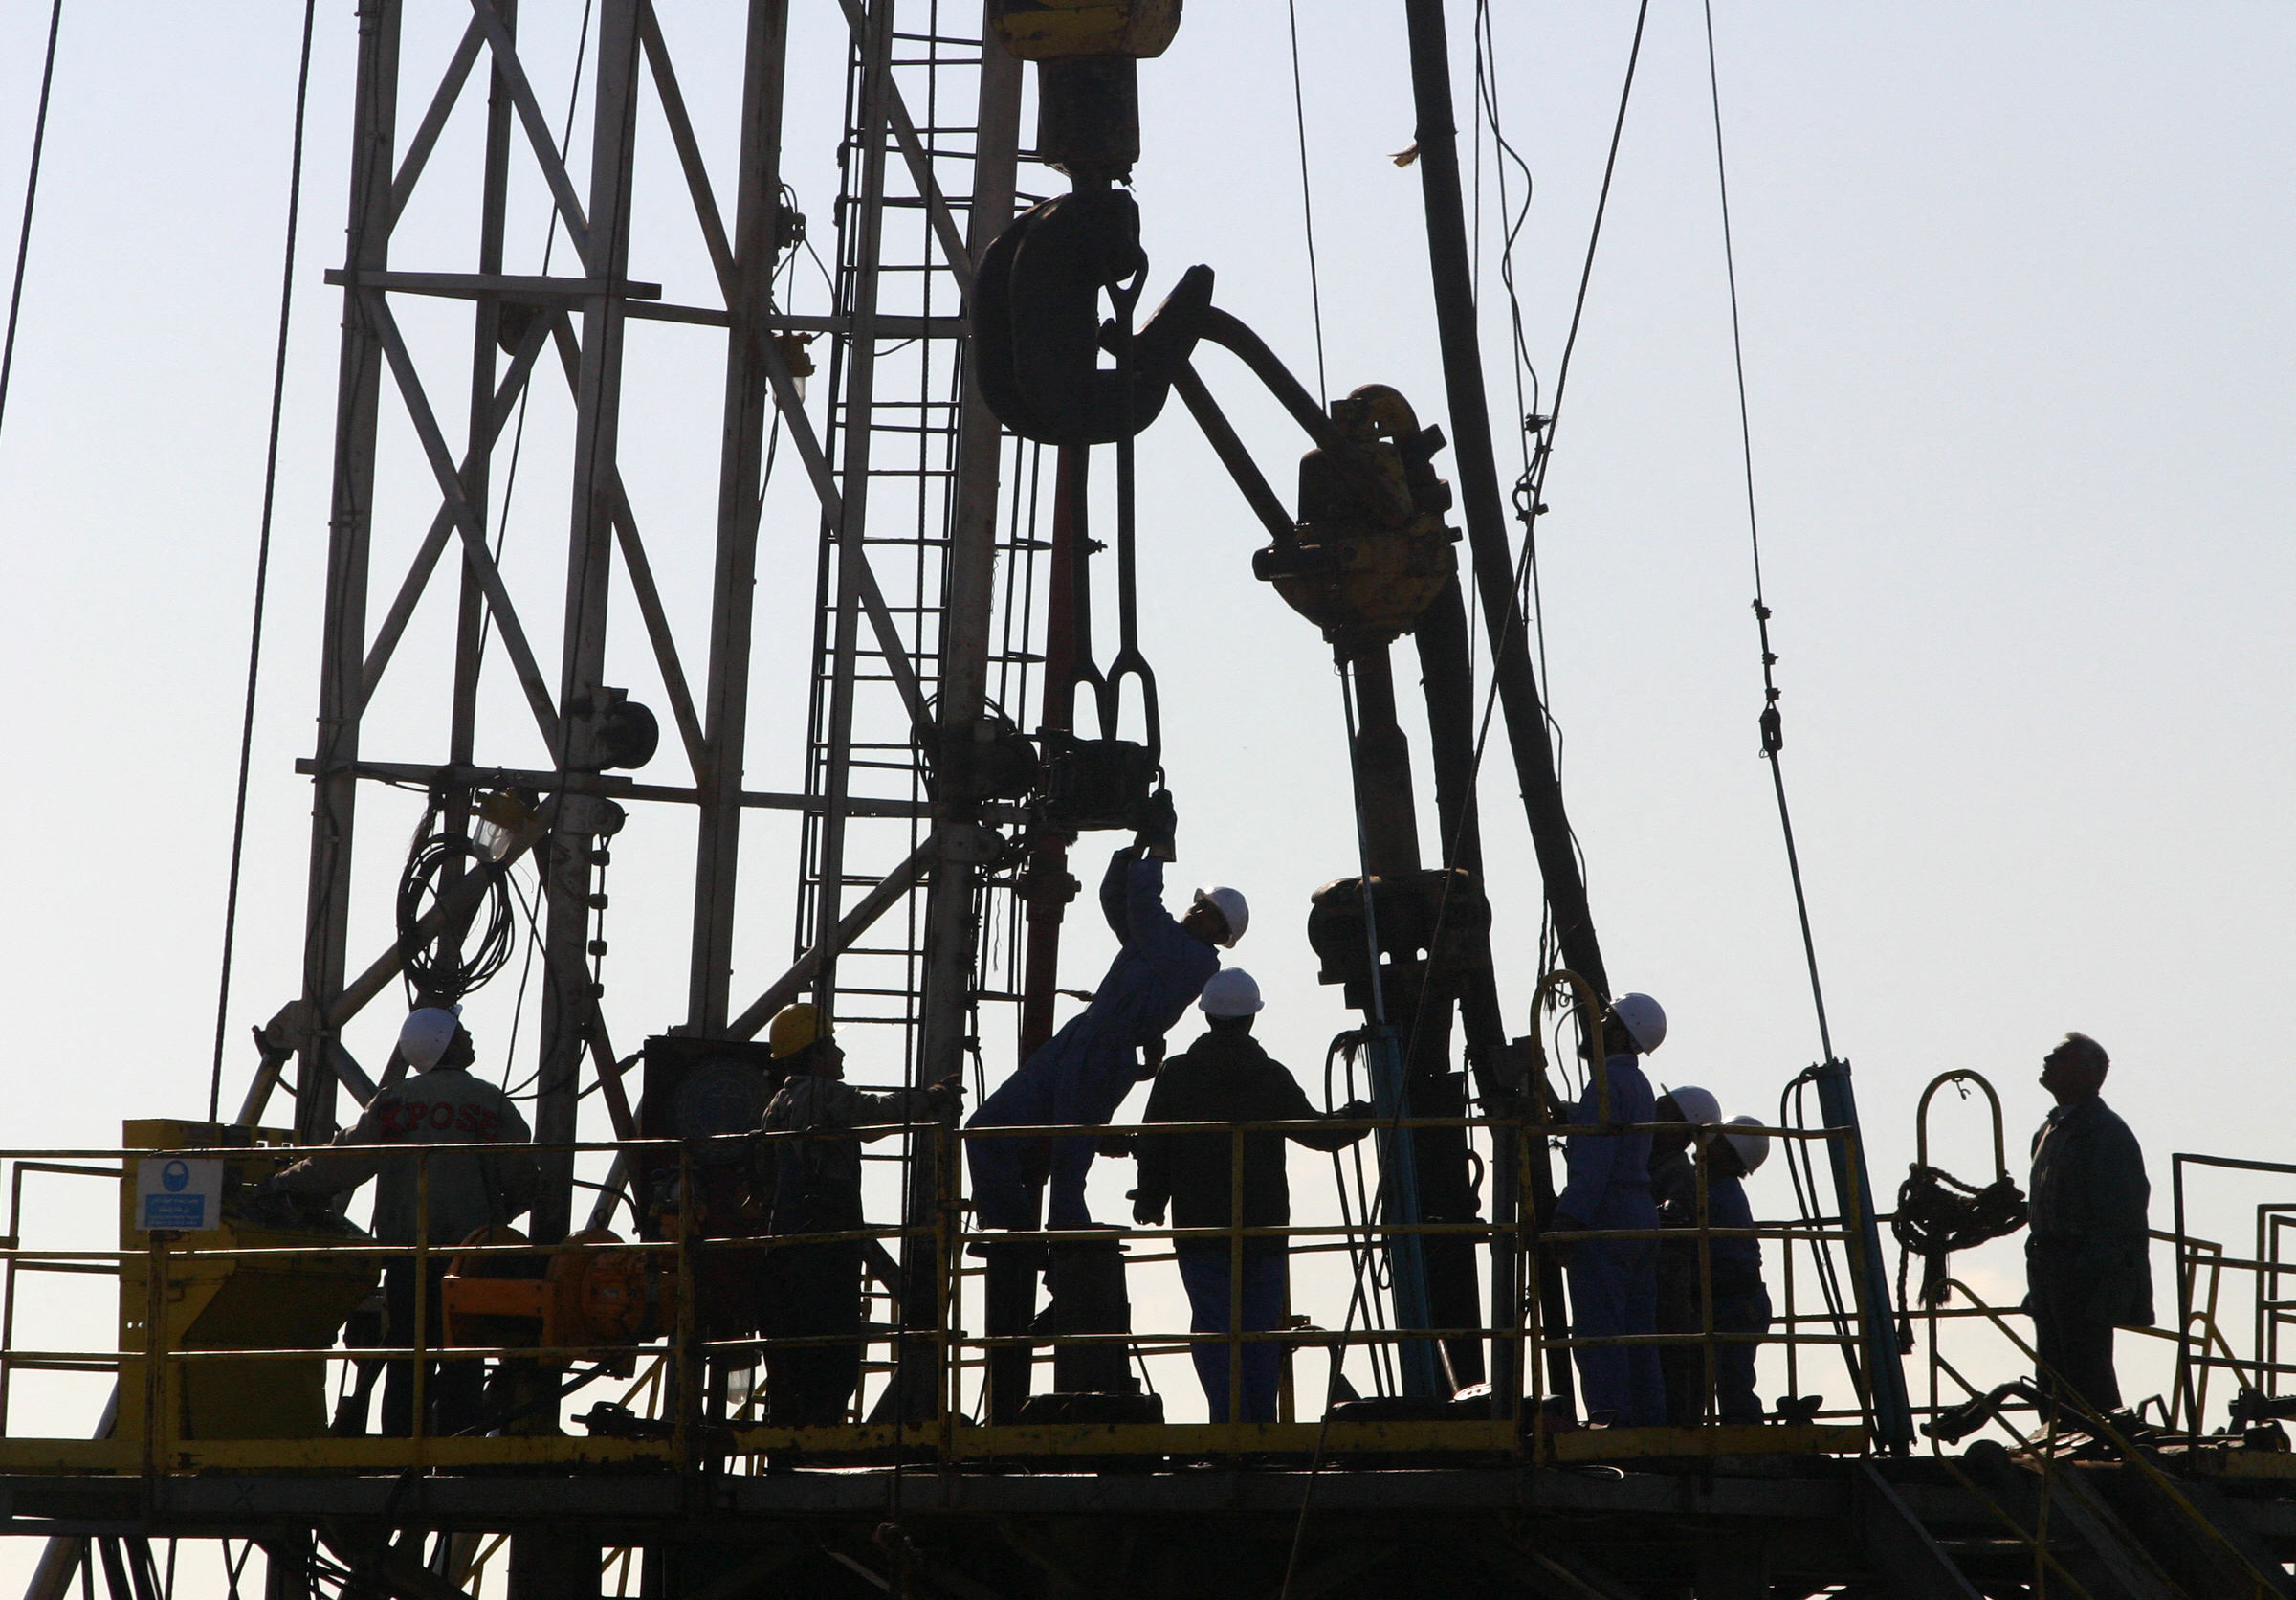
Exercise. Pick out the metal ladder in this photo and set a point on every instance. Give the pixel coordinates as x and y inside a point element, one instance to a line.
<point>894,437</point>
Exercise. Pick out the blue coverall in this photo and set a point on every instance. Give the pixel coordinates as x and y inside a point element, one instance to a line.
<point>1082,1074</point>
<point>1613,1282</point>
<point>1742,1299</point>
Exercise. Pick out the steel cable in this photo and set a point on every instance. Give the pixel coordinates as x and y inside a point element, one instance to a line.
<point>1772,729</point>
<point>31,189</point>
<point>271,479</point>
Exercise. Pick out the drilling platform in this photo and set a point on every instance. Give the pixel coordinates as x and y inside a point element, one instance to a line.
<point>963,418</point>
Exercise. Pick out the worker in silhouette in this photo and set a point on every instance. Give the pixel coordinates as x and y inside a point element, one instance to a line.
<point>1225,1076</point>
<point>469,1190</point>
<point>1082,1074</point>
<point>1681,1112</point>
<point>1613,1282</point>
<point>813,1291</point>
<point>2087,1256</point>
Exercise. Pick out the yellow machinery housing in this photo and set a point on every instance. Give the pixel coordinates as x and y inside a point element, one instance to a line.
<point>230,1302</point>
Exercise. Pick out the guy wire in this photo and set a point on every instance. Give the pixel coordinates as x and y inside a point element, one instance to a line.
<point>271,479</point>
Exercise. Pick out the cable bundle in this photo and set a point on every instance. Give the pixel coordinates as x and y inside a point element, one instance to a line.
<point>1938,1213</point>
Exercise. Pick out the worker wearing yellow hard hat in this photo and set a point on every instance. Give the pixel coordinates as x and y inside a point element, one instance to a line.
<point>814,1184</point>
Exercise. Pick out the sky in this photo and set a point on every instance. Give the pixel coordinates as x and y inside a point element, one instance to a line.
<point>2018,382</point>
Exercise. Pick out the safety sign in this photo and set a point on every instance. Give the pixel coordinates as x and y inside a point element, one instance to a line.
<point>182,1195</point>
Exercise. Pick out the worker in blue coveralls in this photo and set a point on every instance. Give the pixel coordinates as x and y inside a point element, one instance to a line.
<point>1082,1074</point>
<point>1613,1282</point>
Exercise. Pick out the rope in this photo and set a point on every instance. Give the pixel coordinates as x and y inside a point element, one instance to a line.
<point>271,480</point>
<point>1774,737</point>
<point>31,189</point>
<point>1938,1213</point>
<point>1307,203</point>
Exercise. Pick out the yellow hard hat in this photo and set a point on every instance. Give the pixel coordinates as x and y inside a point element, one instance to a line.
<point>795,1027</point>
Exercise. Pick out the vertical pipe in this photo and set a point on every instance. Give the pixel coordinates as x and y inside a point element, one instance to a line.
<point>758,214</point>
<point>859,402</point>
<point>1481,509</point>
<point>1885,1366</point>
<point>570,1006</point>
<point>952,926</point>
<point>1047,887</point>
<point>1446,674</point>
<point>343,635</point>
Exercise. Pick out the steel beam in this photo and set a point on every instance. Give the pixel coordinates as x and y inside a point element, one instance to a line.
<point>570,865</point>
<point>859,401</point>
<point>746,275</point>
<point>350,525</point>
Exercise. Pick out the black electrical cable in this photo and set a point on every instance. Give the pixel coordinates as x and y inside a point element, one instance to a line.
<point>271,480</point>
<point>432,978</point>
<point>1307,201</point>
<point>31,189</point>
<point>1772,729</point>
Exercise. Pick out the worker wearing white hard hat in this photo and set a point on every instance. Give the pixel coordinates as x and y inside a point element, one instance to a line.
<point>1682,1111</point>
<point>1082,1074</point>
<point>1613,1282</point>
<point>1225,1076</point>
<point>1731,1152</point>
<point>443,1104</point>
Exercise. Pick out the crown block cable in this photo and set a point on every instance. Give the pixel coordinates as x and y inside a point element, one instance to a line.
<point>271,478</point>
<point>1773,729</point>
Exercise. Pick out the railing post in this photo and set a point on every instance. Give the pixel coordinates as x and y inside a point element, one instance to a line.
<point>422,1296</point>
<point>1235,1276</point>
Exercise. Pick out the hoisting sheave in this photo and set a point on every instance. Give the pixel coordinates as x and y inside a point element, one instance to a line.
<point>1370,552</point>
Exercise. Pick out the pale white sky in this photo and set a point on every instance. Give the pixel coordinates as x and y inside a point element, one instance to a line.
<point>2018,353</point>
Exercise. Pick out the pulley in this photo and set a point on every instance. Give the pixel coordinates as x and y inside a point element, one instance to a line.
<point>1371,551</point>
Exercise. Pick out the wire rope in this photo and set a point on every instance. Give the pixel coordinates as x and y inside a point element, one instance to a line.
<point>31,189</point>
<point>1307,201</point>
<point>271,480</point>
<point>1773,731</point>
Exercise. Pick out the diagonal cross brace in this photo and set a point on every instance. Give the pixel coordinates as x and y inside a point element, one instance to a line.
<point>832,510</point>
<point>442,525</point>
<point>538,131</point>
<point>689,148</point>
<point>434,118</point>
<point>640,572</point>
<point>474,536</point>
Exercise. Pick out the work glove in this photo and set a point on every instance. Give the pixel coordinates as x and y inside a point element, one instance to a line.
<point>1356,1111</point>
<point>1158,826</point>
<point>1147,1214</point>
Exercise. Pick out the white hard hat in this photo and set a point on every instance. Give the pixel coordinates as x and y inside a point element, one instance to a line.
<point>1230,903</point>
<point>1698,1106</point>
<point>1754,1149</point>
<point>1230,992</point>
<point>426,1033</point>
<point>1645,1021</point>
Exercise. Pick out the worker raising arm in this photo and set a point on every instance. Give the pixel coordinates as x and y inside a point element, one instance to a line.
<point>1083,1073</point>
<point>469,1190</point>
